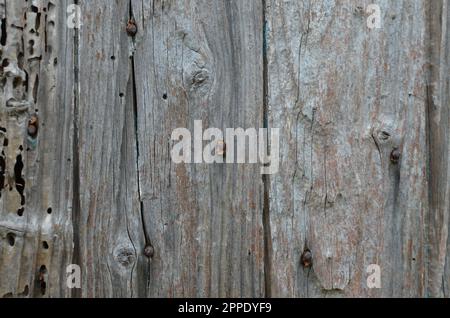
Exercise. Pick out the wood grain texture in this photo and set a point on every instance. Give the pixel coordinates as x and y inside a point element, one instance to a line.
<point>110,236</point>
<point>36,170</point>
<point>346,97</point>
<point>199,60</point>
<point>438,128</point>
<point>86,176</point>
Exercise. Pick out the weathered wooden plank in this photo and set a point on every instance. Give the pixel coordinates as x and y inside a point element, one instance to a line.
<point>438,129</point>
<point>110,244</point>
<point>36,114</point>
<point>346,96</point>
<point>86,177</point>
<point>199,60</point>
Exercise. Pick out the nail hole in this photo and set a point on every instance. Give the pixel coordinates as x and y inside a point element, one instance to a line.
<point>11,237</point>
<point>49,210</point>
<point>113,57</point>
<point>164,96</point>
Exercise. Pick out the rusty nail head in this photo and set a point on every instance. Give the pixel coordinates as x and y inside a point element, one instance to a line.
<point>149,251</point>
<point>33,126</point>
<point>131,27</point>
<point>395,156</point>
<point>306,259</point>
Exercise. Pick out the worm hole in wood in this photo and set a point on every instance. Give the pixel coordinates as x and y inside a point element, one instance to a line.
<point>3,32</point>
<point>11,238</point>
<point>42,282</point>
<point>2,172</point>
<point>19,180</point>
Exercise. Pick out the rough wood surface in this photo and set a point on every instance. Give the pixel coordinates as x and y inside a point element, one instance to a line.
<point>86,177</point>
<point>347,96</point>
<point>199,60</point>
<point>36,171</point>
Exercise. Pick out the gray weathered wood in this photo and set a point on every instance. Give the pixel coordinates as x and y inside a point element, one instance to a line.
<point>347,96</point>
<point>98,187</point>
<point>36,200</point>
<point>204,221</point>
<point>438,104</point>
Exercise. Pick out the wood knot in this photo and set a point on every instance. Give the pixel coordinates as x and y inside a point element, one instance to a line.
<point>199,80</point>
<point>132,27</point>
<point>306,259</point>
<point>200,77</point>
<point>384,135</point>
<point>395,156</point>
<point>125,256</point>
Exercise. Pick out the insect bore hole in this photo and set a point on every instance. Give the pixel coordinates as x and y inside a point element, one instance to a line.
<point>11,238</point>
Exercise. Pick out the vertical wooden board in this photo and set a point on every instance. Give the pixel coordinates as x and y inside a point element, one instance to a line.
<point>438,127</point>
<point>200,60</point>
<point>36,114</point>
<point>110,241</point>
<point>345,97</point>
